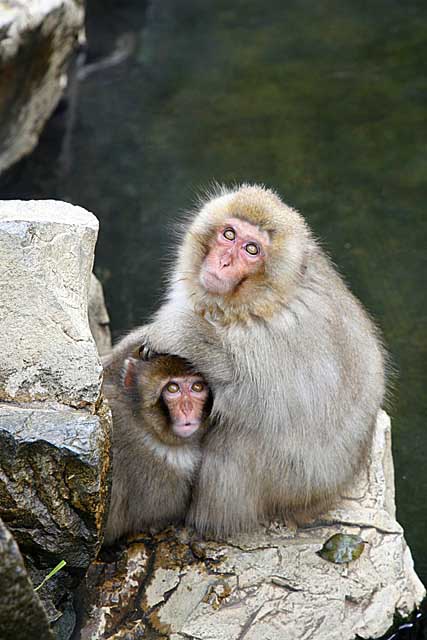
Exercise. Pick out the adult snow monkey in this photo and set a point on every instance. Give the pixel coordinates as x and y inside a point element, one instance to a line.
<point>294,363</point>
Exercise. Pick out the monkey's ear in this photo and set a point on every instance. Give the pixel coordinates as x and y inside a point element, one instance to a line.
<point>129,373</point>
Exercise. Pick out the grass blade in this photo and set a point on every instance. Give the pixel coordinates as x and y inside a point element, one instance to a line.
<point>51,574</point>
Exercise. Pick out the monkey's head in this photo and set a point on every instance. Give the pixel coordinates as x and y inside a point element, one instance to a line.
<point>244,253</point>
<point>173,401</point>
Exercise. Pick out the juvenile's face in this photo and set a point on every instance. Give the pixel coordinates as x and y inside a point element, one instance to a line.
<point>185,398</point>
<point>238,251</point>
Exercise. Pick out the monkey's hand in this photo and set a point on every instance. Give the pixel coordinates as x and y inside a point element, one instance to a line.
<point>150,340</point>
<point>138,344</point>
<point>180,333</point>
<point>145,352</point>
<point>144,349</point>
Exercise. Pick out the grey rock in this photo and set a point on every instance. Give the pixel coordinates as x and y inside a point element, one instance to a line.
<point>53,466</point>
<point>99,320</point>
<point>271,584</point>
<point>54,425</point>
<point>54,489</point>
<point>36,39</point>
<point>22,615</point>
<point>46,257</point>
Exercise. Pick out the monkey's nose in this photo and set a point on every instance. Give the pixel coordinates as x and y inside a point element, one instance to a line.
<point>186,406</point>
<point>225,260</point>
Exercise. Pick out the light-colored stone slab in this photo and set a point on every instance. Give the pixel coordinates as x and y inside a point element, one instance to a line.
<point>46,257</point>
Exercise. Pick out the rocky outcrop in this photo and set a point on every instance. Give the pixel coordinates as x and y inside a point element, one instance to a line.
<point>270,585</point>
<point>36,39</point>
<point>52,490</point>
<point>54,425</point>
<point>22,615</point>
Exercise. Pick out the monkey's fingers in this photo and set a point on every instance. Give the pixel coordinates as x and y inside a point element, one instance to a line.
<point>144,352</point>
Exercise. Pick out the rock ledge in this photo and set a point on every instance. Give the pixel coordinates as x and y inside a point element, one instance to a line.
<point>271,585</point>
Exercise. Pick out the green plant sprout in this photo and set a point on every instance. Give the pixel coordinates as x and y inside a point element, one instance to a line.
<point>51,574</point>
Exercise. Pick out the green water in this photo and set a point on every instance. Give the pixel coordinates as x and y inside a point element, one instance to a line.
<point>324,101</point>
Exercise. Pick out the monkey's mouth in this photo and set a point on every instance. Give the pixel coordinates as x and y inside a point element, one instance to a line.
<point>185,429</point>
<point>214,284</point>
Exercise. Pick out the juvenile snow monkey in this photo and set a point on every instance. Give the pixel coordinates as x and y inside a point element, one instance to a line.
<point>159,411</point>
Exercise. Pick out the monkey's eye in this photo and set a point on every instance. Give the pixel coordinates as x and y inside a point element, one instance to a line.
<point>229,233</point>
<point>197,387</point>
<point>172,387</point>
<point>252,248</point>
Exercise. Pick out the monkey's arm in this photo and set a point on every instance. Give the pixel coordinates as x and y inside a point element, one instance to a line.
<point>181,333</point>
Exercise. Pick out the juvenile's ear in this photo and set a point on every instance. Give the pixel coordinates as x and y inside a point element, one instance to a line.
<point>129,373</point>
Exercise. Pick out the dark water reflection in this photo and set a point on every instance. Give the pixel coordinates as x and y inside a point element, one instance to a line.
<point>323,101</point>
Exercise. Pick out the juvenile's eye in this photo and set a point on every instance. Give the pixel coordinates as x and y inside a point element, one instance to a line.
<point>229,233</point>
<point>252,248</point>
<point>197,387</point>
<point>172,387</point>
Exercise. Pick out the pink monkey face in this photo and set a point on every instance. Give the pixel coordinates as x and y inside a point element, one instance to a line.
<point>185,398</point>
<point>237,252</point>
